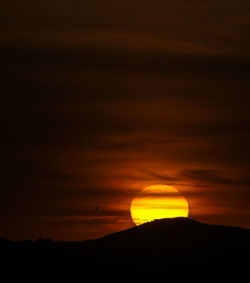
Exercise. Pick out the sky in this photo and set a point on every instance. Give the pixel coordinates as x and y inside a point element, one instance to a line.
<point>100,99</point>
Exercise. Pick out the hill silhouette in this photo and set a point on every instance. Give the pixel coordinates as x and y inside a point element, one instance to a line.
<point>174,247</point>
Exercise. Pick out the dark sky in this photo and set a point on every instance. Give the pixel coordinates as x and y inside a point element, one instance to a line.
<point>101,98</point>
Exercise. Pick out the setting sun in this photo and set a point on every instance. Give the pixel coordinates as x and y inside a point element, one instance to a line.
<point>157,202</point>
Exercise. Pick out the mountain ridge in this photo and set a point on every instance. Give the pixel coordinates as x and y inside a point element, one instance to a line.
<point>168,226</point>
<point>165,245</point>
<point>182,221</point>
<point>181,232</point>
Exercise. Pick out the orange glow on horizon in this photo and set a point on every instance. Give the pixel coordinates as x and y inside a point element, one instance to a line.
<point>157,202</point>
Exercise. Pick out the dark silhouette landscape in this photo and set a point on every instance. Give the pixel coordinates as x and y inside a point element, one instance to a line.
<point>179,248</point>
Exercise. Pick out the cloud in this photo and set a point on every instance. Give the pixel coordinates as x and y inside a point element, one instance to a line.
<point>214,177</point>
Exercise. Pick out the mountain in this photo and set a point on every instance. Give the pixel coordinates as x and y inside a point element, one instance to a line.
<point>179,247</point>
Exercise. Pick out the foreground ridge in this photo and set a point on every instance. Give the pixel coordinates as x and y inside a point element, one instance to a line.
<point>176,225</point>
<point>162,245</point>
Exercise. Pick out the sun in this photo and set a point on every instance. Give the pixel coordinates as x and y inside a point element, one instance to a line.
<point>157,202</point>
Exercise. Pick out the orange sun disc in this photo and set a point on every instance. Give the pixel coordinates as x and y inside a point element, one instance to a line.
<point>157,202</point>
